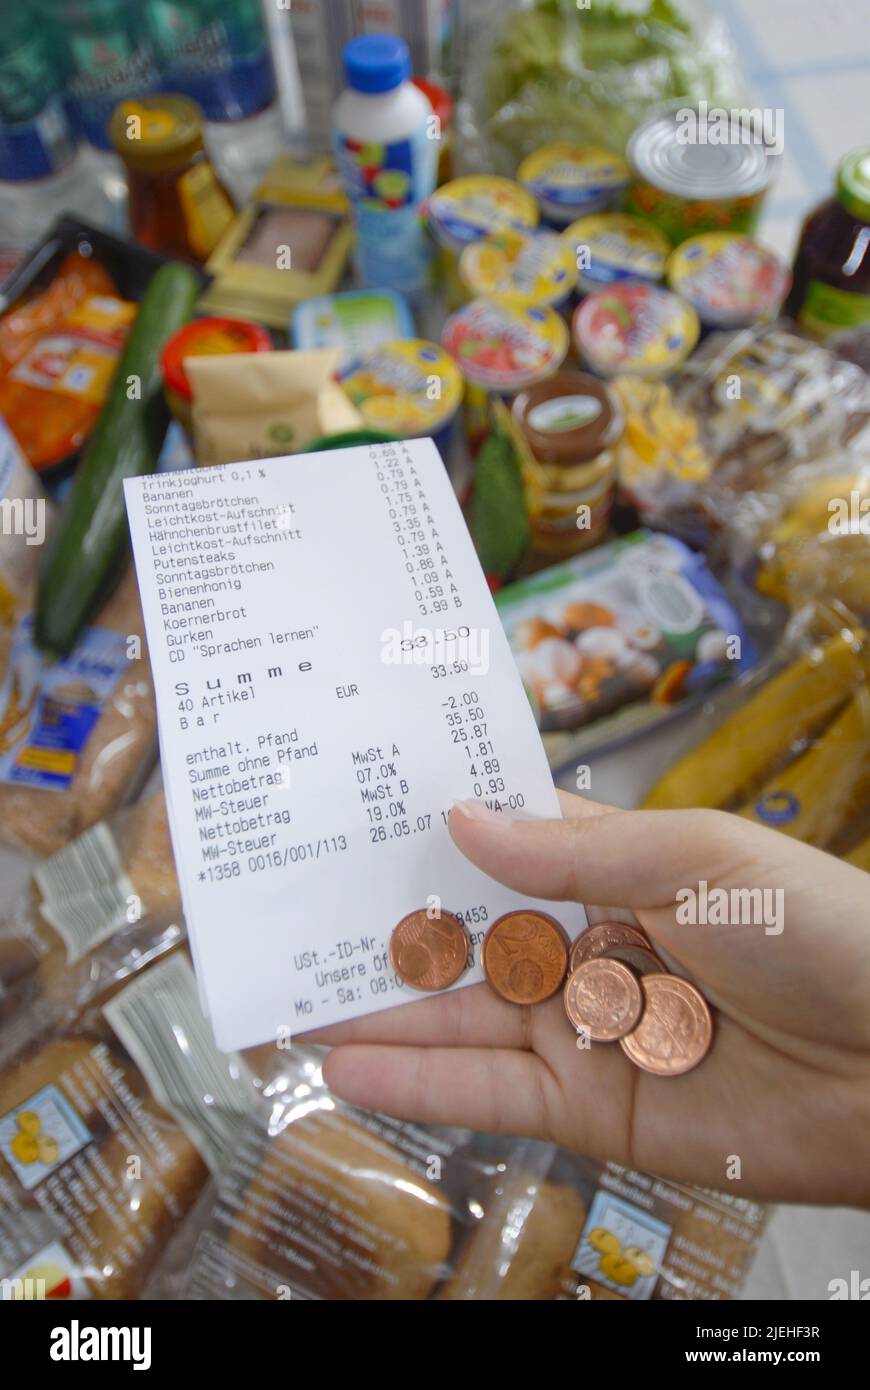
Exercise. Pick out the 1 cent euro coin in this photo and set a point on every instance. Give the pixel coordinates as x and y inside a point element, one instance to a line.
<point>429,953</point>
<point>675,1031</point>
<point>599,939</point>
<point>603,999</point>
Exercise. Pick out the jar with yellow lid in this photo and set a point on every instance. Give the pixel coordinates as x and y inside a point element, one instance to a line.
<point>177,203</point>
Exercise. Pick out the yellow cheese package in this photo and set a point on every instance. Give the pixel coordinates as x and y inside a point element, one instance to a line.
<point>291,242</point>
<point>791,745</point>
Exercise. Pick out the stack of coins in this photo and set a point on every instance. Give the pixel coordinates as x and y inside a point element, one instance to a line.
<point>618,990</point>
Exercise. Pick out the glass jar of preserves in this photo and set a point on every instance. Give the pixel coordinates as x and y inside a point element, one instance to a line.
<point>831,284</point>
<point>177,203</point>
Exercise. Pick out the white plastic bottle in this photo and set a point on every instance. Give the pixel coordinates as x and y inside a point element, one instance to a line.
<point>386,141</point>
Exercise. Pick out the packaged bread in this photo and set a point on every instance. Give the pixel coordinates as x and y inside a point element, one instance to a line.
<point>73,930</point>
<point>323,1200</point>
<point>645,1238</point>
<point>332,1205</point>
<point>107,1136</point>
<point>522,1249</point>
<point>76,735</point>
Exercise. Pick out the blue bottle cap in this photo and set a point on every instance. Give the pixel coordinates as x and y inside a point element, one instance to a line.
<point>376,63</point>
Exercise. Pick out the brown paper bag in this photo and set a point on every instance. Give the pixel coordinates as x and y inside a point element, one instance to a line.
<point>261,405</point>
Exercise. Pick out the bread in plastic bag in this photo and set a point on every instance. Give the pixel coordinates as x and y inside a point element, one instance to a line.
<point>558,1226</point>
<point>750,409</point>
<point>108,1130</point>
<point>73,927</point>
<point>69,756</point>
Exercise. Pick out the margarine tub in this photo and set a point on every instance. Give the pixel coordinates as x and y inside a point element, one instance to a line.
<point>537,265</point>
<point>570,181</point>
<point>612,246</point>
<point>469,208</point>
<point>408,389</point>
<point>503,345</point>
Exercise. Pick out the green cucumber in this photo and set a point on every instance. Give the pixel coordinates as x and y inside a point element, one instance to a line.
<point>90,537</point>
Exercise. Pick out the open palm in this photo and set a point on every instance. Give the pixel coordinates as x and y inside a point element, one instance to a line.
<point>786,1086</point>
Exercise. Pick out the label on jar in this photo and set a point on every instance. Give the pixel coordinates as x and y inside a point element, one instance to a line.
<point>563,414</point>
<point>826,309</point>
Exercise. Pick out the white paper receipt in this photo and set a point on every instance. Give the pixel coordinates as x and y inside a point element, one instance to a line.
<point>331,676</point>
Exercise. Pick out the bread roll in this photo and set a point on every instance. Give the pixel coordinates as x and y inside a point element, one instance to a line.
<point>332,1196</point>
<point>523,1247</point>
<point>122,1172</point>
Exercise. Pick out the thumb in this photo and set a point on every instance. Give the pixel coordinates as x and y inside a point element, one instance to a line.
<point>634,859</point>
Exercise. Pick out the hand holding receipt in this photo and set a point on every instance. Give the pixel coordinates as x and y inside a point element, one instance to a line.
<point>331,676</point>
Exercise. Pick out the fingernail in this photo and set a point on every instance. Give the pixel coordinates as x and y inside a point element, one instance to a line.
<point>478,810</point>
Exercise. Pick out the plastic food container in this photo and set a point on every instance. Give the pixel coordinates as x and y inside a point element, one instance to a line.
<point>730,280</point>
<point>635,328</point>
<point>468,208</point>
<point>571,181</point>
<point>355,322</point>
<point>613,246</point>
<point>538,265</point>
<point>407,390</point>
<point>566,429</point>
<point>205,337</point>
<point>503,345</point>
<point>688,186</point>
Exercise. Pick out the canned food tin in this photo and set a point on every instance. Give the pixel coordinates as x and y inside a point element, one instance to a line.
<point>686,181</point>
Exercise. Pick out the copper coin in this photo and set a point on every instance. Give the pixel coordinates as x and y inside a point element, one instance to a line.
<point>596,940</point>
<point>640,959</point>
<point>525,956</point>
<point>675,1030</point>
<point>603,999</point>
<point>429,953</point>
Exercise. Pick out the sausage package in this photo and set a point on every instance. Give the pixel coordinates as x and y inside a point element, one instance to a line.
<point>78,734</point>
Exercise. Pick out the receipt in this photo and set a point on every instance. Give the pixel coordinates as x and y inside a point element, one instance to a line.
<point>331,676</point>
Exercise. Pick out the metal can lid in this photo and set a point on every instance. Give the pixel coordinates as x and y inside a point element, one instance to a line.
<point>700,159</point>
